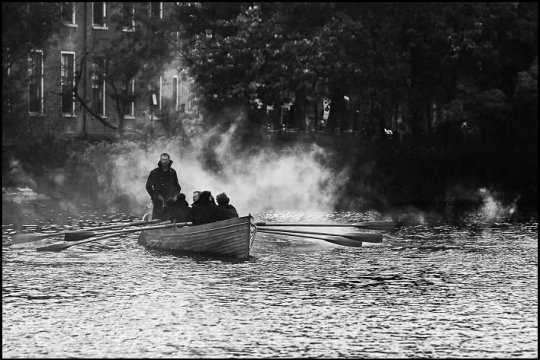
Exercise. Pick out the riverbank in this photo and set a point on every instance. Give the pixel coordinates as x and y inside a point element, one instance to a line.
<point>435,173</point>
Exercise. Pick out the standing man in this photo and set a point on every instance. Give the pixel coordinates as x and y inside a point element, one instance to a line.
<point>162,185</point>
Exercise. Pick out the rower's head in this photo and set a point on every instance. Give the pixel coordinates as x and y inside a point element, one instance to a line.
<point>222,199</point>
<point>206,197</point>
<point>196,195</point>
<point>165,160</point>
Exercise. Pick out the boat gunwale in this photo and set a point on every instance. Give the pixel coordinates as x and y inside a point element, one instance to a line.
<point>185,230</point>
<point>152,238</point>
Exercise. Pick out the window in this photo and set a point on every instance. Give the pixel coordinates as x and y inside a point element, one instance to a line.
<point>98,88</point>
<point>159,91</point>
<point>155,95</point>
<point>67,82</point>
<point>35,82</point>
<point>68,13</point>
<point>9,92</point>
<point>128,17</point>
<point>129,103</point>
<point>156,10</point>
<point>99,15</point>
<point>175,92</point>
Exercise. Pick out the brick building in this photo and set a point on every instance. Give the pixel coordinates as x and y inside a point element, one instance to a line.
<point>52,73</point>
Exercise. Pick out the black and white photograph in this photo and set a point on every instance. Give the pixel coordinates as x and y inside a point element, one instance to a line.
<point>257,180</point>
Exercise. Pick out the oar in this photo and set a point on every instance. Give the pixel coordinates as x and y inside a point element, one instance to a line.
<point>371,225</point>
<point>160,226</point>
<point>333,239</point>
<point>62,246</point>
<point>365,237</point>
<point>72,235</point>
<point>85,234</point>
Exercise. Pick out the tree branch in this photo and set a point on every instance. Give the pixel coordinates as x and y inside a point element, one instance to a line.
<point>86,107</point>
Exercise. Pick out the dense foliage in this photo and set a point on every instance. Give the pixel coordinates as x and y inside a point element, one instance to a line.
<point>469,59</point>
<point>460,77</point>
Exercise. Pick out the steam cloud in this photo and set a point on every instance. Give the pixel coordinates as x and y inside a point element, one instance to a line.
<point>268,179</point>
<point>492,209</point>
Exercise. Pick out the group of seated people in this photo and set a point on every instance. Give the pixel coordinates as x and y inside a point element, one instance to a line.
<point>203,210</point>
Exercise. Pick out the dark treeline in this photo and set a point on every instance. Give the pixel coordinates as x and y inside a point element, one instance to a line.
<point>456,83</point>
<point>406,66</point>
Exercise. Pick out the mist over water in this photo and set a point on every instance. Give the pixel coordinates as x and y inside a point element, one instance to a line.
<point>265,176</point>
<point>286,179</point>
<point>113,175</point>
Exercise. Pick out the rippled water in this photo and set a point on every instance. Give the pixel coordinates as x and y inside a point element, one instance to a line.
<point>427,291</point>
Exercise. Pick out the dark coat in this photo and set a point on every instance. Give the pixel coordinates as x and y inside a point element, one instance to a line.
<point>164,183</point>
<point>203,210</point>
<point>225,212</point>
<point>178,210</point>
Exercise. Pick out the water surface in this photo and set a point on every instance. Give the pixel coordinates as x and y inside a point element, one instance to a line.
<point>427,291</point>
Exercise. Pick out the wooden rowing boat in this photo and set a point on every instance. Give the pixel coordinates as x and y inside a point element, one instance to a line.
<point>231,238</point>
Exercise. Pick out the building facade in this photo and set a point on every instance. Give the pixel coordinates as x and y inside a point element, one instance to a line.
<point>68,64</point>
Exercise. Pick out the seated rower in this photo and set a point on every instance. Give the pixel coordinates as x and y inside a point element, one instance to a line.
<point>224,209</point>
<point>203,210</point>
<point>177,211</point>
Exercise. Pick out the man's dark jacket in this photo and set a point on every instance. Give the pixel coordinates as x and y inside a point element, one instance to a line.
<point>225,212</point>
<point>164,183</point>
<point>203,210</point>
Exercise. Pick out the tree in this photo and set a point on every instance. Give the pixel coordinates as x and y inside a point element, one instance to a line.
<point>383,57</point>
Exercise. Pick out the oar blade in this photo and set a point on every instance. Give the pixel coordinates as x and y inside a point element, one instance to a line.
<point>370,225</point>
<point>339,240</point>
<point>54,247</point>
<point>365,237</point>
<point>376,225</point>
<point>359,236</point>
<point>79,235</point>
<point>24,238</point>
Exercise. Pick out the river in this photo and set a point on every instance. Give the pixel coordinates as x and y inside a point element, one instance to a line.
<point>433,291</point>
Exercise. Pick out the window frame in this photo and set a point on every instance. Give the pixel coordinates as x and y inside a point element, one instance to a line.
<point>175,91</point>
<point>102,111</point>
<point>160,10</point>
<point>62,69</point>
<point>160,90</point>
<point>131,114</point>
<point>73,22</point>
<point>41,100</point>
<point>132,20</point>
<point>102,26</point>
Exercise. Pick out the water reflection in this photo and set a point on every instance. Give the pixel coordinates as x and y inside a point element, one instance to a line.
<point>428,291</point>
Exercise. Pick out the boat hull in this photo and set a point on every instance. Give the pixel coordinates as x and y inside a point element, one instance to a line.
<point>231,238</point>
